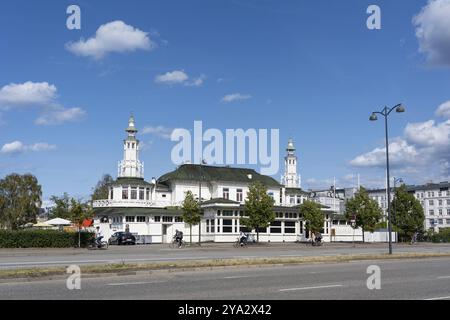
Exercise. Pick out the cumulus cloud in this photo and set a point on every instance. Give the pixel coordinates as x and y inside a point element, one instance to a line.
<point>174,77</point>
<point>444,110</point>
<point>19,147</point>
<point>159,131</point>
<point>433,31</point>
<point>400,152</point>
<point>429,133</point>
<point>179,77</point>
<point>57,115</point>
<point>112,37</point>
<point>423,148</point>
<point>235,97</point>
<point>27,94</point>
<point>41,95</point>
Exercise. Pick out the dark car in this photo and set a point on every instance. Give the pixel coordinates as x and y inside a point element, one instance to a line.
<point>121,237</point>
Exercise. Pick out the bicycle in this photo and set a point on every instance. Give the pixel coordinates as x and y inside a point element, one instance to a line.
<point>175,244</point>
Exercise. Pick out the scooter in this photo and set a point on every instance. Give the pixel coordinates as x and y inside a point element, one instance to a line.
<point>95,245</point>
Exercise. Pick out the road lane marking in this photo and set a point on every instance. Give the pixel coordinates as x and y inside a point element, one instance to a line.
<point>133,283</point>
<point>439,298</point>
<point>311,288</point>
<point>444,277</point>
<point>237,277</point>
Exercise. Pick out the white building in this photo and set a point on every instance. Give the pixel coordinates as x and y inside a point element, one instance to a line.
<point>151,209</point>
<point>435,200</point>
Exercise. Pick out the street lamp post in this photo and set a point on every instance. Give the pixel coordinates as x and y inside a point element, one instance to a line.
<point>385,113</point>
<point>400,180</point>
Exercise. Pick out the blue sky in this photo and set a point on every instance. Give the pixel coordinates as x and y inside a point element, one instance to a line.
<point>310,68</point>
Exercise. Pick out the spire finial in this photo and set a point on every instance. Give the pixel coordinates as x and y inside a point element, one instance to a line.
<point>290,146</point>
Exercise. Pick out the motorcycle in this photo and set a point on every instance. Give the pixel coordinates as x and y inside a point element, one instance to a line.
<point>93,244</point>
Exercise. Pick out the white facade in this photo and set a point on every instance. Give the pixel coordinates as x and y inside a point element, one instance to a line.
<point>130,166</point>
<point>290,178</point>
<point>151,210</point>
<point>435,200</point>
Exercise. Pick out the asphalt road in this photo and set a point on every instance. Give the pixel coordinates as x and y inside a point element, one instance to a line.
<point>400,279</point>
<point>26,258</point>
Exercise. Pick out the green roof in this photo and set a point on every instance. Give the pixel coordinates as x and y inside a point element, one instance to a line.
<point>131,181</point>
<point>220,201</point>
<point>189,172</point>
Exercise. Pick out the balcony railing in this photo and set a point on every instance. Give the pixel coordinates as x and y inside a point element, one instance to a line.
<point>122,203</point>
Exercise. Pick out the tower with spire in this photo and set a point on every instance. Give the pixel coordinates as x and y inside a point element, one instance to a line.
<point>290,177</point>
<point>131,166</point>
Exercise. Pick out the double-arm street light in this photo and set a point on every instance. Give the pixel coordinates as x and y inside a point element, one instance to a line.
<point>385,113</point>
<point>396,180</point>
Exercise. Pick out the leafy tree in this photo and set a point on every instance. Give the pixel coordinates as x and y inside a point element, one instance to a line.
<point>191,211</point>
<point>20,200</point>
<point>366,211</point>
<point>312,215</point>
<point>79,211</point>
<point>61,209</point>
<point>102,187</point>
<point>409,215</point>
<point>258,208</point>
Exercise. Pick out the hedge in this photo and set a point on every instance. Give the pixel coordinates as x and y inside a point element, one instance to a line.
<point>42,239</point>
<point>442,236</point>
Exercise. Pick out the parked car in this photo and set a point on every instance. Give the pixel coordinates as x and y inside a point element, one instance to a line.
<point>122,238</point>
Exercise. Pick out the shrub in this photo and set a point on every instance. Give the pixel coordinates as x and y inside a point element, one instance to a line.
<point>442,236</point>
<point>42,239</point>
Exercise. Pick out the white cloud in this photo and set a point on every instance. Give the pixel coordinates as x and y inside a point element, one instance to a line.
<point>174,77</point>
<point>198,82</point>
<point>400,152</point>
<point>42,95</point>
<point>115,36</point>
<point>57,115</point>
<point>19,147</point>
<point>423,150</point>
<point>27,94</point>
<point>429,133</point>
<point>444,110</point>
<point>179,77</point>
<point>160,131</point>
<point>235,97</point>
<point>433,31</point>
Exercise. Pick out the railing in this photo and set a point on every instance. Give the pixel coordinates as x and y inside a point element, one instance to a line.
<point>122,203</point>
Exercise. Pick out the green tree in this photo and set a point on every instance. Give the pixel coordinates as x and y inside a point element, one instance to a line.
<point>258,208</point>
<point>409,216</point>
<point>312,215</point>
<point>61,208</point>
<point>78,212</point>
<point>366,211</point>
<point>20,200</point>
<point>191,211</point>
<point>102,188</point>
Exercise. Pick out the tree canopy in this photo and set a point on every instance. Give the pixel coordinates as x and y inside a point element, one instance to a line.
<point>258,208</point>
<point>312,215</point>
<point>409,216</point>
<point>20,200</point>
<point>366,211</point>
<point>191,211</point>
<point>101,189</point>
